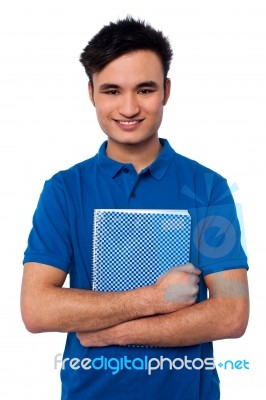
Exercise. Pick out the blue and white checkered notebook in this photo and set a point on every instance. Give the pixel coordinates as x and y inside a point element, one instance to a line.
<point>132,248</point>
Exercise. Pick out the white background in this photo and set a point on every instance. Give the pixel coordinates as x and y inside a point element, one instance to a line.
<point>216,115</point>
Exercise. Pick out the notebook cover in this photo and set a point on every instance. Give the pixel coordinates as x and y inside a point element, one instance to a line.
<point>132,248</point>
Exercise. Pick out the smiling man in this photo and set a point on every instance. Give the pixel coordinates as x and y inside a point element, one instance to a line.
<point>127,63</point>
<point>129,94</point>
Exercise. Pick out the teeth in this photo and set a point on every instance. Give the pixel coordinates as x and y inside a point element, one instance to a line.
<point>128,122</point>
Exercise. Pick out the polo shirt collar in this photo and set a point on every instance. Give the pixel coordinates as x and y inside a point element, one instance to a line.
<point>111,167</point>
<point>159,166</point>
<point>157,169</point>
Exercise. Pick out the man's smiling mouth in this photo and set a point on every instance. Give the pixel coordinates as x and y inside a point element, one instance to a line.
<point>131,122</point>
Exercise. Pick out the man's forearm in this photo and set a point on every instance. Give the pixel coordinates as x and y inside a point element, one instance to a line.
<point>202,322</point>
<point>47,306</point>
<point>71,310</point>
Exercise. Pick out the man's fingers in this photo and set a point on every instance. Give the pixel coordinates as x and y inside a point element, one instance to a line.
<point>189,268</point>
<point>194,278</point>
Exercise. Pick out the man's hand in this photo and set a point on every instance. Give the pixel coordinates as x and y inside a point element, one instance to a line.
<point>101,338</point>
<point>177,288</point>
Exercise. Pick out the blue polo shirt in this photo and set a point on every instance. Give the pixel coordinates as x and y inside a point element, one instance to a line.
<point>61,236</point>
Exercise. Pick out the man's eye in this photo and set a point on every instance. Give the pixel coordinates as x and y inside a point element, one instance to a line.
<point>145,91</point>
<point>112,92</point>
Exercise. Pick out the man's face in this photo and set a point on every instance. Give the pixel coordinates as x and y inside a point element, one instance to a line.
<point>129,95</point>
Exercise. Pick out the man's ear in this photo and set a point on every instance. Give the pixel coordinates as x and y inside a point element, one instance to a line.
<point>90,88</point>
<point>167,90</point>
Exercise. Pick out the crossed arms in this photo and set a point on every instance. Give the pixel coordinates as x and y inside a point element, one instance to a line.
<point>164,314</point>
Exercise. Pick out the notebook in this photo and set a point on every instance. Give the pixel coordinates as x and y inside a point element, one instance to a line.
<point>132,248</point>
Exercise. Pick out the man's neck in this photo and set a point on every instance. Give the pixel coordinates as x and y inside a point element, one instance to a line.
<point>139,155</point>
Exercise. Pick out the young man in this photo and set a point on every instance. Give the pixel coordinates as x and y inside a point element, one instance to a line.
<point>171,358</point>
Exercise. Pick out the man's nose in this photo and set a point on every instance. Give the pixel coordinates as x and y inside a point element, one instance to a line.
<point>129,106</point>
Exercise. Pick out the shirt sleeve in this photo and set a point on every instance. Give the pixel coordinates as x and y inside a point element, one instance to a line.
<point>49,240</point>
<point>216,238</point>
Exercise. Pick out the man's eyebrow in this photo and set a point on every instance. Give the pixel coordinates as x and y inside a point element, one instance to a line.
<point>149,84</point>
<point>106,86</point>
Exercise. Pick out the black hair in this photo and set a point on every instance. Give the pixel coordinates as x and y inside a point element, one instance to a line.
<point>122,37</point>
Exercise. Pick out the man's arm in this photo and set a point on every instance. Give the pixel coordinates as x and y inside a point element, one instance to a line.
<point>223,315</point>
<point>47,306</point>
